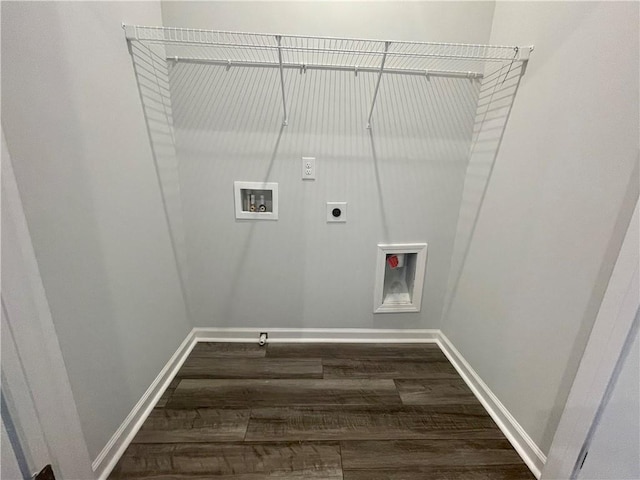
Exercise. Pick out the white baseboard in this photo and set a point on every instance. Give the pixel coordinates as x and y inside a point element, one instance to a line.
<point>319,335</point>
<point>115,447</point>
<point>517,436</point>
<point>522,443</point>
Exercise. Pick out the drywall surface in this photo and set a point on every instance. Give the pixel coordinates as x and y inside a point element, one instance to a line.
<point>75,130</point>
<point>614,453</point>
<point>462,22</point>
<point>400,184</point>
<point>498,91</point>
<point>557,206</point>
<point>402,180</point>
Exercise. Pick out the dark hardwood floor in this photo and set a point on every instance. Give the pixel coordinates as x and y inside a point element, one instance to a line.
<point>238,411</point>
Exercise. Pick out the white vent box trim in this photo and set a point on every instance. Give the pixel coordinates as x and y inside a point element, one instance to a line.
<point>336,212</point>
<point>400,272</point>
<point>256,200</point>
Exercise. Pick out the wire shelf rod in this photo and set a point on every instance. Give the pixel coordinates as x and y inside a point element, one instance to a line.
<point>344,68</point>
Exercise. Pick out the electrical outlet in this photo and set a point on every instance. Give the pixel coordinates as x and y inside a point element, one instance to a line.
<point>336,212</point>
<point>308,168</point>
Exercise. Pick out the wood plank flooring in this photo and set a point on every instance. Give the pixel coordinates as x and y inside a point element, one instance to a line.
<point>209,367</point>
<point>319,411</point>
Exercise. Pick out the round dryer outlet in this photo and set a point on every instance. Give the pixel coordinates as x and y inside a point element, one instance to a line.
<point>336,212</point>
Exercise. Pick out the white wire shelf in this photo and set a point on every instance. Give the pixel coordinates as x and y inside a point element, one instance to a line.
<point>325,53</point>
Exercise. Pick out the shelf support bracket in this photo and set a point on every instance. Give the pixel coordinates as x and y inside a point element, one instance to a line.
<point>285,120</point>
<point>375,92</point>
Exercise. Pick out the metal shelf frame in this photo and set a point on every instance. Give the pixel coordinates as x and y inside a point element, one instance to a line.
<point>305,53</point>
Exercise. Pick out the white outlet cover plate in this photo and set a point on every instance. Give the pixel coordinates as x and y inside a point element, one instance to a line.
<point>308,168</point>
<point>342,206</point>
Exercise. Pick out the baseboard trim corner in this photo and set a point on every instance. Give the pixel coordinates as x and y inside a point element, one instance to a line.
<point>120,440</point>
<point>530,453</point>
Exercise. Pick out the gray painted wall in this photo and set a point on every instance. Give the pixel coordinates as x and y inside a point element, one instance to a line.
<point>75,130</point>
<point>557,206</point>
<point>465,22</point>
<point>403,183</point>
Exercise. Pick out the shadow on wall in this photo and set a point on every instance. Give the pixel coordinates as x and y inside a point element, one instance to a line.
<point>497,94</point>
<point>152,77</point>
<point>403,182</point>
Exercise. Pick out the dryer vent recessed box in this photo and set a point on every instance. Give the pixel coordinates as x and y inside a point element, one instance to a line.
<point>399,277</point>
<point>256,200</point>
<point>336,212</point>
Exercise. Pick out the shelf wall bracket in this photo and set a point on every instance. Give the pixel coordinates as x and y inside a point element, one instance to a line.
<point>285,120</point>
<point>375,92</point>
